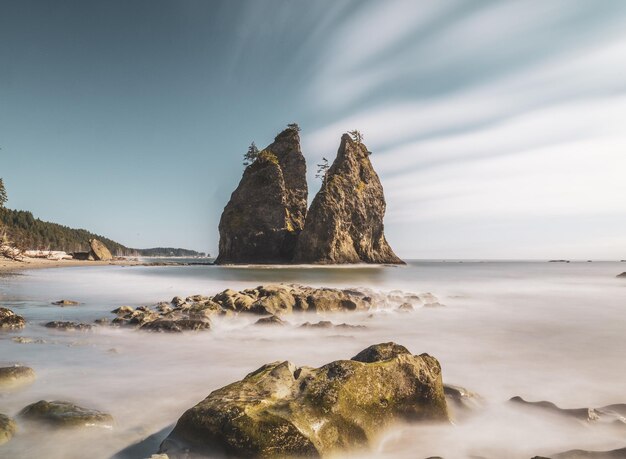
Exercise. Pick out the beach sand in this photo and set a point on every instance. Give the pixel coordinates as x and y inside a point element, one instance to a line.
<point>7,265</point>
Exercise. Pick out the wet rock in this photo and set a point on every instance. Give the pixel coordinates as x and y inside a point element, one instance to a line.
<point>582,454</point>
<point>329,324</point>
<point>405,307</point>
<point>10,321</point>
<point>69,326</point>
<point>461,400</point>
<point>582,414</point>
<point>436,304</point>
<point>7,428</point>
<point>66,303</point>
<point>345,221</point>
<point>271,320</point>
<point>28,340</point>
<point>99,251</point>
<point>381,352</point>
<point>622,275</point>
<point>15,377</point>
<point>176,326</point>
<point>266,213</point>
<point>283,411</point>
<point>123,310</point>
<point>65,414</point>
<point>102,321</point>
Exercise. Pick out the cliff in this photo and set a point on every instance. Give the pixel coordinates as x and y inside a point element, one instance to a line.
<point>266,213</point>
<point>345,221</point>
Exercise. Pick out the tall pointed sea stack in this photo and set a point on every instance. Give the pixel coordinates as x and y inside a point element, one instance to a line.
<point>345,221</point>
<point>266,213</point>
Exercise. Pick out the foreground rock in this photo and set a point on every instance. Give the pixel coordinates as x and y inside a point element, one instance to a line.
<point>266,213</point>
<point>10,321</point>
<point>15,377</point>
<point>345,221</point>
<point>7,428</point>
<point>280,410</point>
<point>99,251</point>
<point>65,414</point>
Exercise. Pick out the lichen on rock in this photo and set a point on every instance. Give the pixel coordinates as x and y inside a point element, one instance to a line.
<point>283,411</point>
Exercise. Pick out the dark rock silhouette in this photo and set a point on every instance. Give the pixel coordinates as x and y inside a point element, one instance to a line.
<point>266,213</point>
<point>345,221</point>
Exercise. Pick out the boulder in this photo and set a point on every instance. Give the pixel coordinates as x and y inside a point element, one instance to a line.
<point>7,428</point>
<point>65,414</point>
<point>15,377</point>
<point>345,221</point>
<point>99,251</point>
<point>10,321</point>
<point>266,213</point>
<point>283,411</point>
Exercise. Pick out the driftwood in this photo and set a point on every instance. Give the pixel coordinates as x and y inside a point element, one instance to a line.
<point>11,252</point>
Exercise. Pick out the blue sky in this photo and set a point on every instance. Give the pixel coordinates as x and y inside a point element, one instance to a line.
<point>497,127</point>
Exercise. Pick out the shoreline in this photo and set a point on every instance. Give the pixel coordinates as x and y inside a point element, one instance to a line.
<point>8,266</point>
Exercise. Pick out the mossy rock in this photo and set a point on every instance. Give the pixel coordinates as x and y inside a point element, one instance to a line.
<point>62,414</point>
<point>283,411</point>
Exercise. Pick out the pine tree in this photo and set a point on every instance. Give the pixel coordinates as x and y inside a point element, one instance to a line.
<point>322,169</point>
<point>251,155</point>
<point>356,136</point>
<point>3,194</point>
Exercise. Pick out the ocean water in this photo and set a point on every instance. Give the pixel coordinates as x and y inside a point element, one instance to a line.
<point>543,331</point>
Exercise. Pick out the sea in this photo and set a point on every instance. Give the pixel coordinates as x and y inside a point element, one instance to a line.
<point>536,329</point>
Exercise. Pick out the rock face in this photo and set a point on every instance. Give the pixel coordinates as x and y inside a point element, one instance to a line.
<point>15,377</point>
<point>7,428</point>
<point>266,213</point>
<point>283,411</point>
<point>10,321</point>
<point>345,221</point>
<point>99,251</point>
<point>65,414</point>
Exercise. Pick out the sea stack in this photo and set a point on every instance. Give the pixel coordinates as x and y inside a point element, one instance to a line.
<point>266,213</point>
<point>345,221</point>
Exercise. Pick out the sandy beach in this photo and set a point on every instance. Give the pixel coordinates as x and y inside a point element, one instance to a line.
<point>7,265</point>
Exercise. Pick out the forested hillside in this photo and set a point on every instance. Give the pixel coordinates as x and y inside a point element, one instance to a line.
<point>27,232</point>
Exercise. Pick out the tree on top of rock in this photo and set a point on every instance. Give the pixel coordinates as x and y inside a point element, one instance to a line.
<point>294,127</point>
<point>356,136</point>
<point>251,155</point>
<point>322,169</point>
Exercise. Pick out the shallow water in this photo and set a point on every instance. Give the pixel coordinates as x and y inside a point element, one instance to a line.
<point>544,331</point>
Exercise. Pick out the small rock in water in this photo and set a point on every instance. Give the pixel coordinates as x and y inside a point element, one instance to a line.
<point>66,303</point>
<point>582,454</point>
<point>27,340</point>
<point>622,275</point>
<point>71,326</point>
<point>15,377</point>
<point>582,414</point>
<point>436,304</point>
<point>270,320</point>
<point>65,414</point>
<point>7,428</point>
<point>123,310</point>
<point>176,326</point>
<point>10,321</point>
<point>405,307</point>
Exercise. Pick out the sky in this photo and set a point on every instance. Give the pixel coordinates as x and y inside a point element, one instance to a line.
<point>497,128</point>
